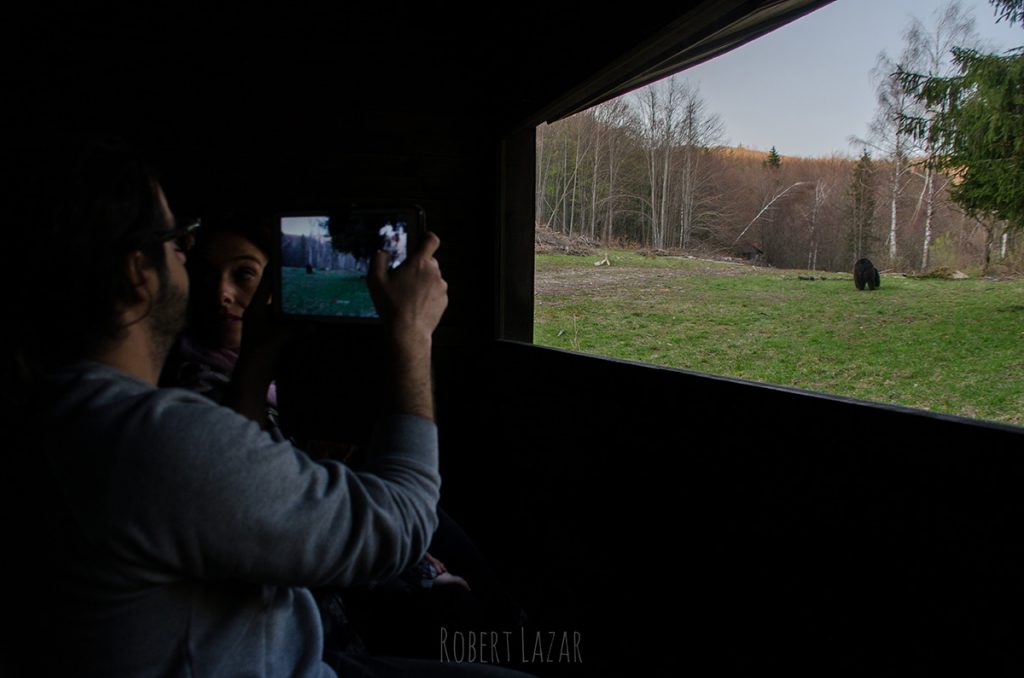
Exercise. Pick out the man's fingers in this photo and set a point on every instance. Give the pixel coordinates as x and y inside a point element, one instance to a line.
<point>380,259</point>
<point>430,244</point>
<point>379,265</point>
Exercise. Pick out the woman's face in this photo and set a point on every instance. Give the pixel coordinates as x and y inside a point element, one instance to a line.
<point>227,268</point>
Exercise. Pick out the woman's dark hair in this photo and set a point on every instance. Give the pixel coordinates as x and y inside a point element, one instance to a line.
<point>87,206</point>
<point>254,226</point>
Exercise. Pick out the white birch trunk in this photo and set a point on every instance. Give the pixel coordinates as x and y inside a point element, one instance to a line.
<point>611,195</point>
<point>929,215</point>
<point>654,197</point>
<point>892,208</point>
<point>538,189</point>
<point>663,218</point>
<point>593,183</point>
<point>575,173</point>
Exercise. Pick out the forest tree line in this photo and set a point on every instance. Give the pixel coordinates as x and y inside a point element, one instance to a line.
<point>650,169</point>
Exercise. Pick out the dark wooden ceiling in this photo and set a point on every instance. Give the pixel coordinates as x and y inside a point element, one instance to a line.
<point>502,61</point>
<point>203,83</point>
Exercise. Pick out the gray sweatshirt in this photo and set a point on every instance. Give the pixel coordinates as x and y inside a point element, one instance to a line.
<point>185,538</point>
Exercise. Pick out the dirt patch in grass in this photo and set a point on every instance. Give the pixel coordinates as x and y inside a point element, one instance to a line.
<point>648,274</point>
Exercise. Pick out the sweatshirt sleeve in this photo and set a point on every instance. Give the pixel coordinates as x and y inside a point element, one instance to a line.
<point>214,497</point>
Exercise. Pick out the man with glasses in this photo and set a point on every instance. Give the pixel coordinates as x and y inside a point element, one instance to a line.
<point>174,536</point>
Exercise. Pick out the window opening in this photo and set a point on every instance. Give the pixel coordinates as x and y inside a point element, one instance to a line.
<point>712,220</point>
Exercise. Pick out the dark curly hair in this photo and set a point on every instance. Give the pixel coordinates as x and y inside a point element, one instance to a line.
<point>86,206</point>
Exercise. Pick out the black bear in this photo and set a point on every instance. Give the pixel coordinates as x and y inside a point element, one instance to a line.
<point>865,273</point>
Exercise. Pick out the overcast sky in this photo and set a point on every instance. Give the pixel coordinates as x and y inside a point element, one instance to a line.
<point>806,88</point>
<point>302,226</point>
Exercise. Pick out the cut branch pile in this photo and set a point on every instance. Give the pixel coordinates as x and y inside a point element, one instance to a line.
<point>547,241</point>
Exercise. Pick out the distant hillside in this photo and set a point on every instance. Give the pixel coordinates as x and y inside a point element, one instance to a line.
<point>742,152</point>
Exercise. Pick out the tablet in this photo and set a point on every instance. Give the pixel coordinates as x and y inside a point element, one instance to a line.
<point>324,257</point>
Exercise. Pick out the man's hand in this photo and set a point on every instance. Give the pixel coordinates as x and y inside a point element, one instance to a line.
<point>411,299</point>
<point>444,577</point>
<point>262,336</point>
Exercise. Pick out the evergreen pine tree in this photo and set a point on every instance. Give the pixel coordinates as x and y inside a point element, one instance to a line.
<point>860,206</point>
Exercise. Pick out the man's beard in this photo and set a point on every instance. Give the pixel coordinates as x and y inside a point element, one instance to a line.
<point>168,317</point>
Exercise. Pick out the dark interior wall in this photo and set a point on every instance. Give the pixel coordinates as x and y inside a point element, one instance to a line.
<point>684,521</point>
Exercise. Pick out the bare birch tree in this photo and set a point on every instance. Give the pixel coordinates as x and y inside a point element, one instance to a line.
<point>658,105</point>
<point>676,131</point>
<point>699,131</point>
<point>541,176</point>
<point>953,28</point>
<point>614,118</point>
<point>886,133</point>
<point>814,212</point>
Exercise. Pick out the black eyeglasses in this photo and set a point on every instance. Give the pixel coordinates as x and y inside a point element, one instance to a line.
<point>183,236</point>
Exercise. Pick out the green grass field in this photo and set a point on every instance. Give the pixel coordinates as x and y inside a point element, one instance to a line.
<point>954,346</point>
<point>326,293</point>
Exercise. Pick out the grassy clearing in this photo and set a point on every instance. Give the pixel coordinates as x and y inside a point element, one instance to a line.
<point>326,293</point>
<point>953,346</point>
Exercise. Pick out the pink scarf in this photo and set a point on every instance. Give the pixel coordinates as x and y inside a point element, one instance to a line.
<point>219,360</point>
